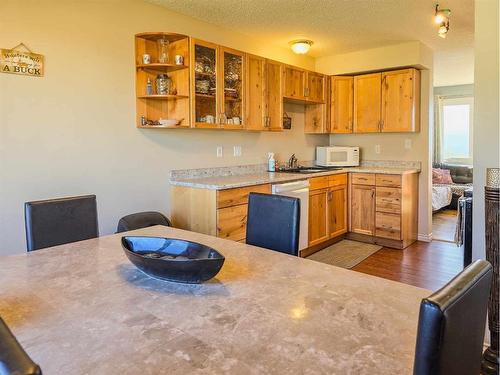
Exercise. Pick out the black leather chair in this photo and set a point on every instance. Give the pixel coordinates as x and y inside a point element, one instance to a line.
<point>452,322</point>
<point>13,358</point>
<point>142,220</point>
<point>273,222</point>
<point>58,221</point>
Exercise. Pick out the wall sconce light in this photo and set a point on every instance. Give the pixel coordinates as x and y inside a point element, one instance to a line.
<point>442,18</point>
<point>301,47</point>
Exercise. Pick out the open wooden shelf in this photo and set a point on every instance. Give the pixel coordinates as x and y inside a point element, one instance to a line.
<point>163,127</point>
<point>205,96</point>
<point>154,36</point>
<point>155,107</point>
<point>157,67</point>
<point>163,97</point>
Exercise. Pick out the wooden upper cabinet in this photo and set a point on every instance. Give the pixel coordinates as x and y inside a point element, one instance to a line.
<point>315,87</point>
<point>274,95</point>
<point>342,102</point>
<point>315,119</point>
<point>367,103</point>
<point>294,82</point>
<point>401,101</point>
<point>264,102</point>
<point>256,102</point>
<point>232,88</point>
<point>205,107</point>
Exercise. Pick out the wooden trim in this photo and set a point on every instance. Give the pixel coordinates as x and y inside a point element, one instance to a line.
<point>394,244</point>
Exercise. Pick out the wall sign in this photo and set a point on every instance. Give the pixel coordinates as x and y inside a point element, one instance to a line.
<point>18,61</point>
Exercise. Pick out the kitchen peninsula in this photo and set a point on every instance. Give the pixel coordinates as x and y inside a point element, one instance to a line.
<point>84,308</point>
<point>376,202</point>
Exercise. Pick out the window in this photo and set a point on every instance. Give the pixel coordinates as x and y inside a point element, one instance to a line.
<point>456,130</point>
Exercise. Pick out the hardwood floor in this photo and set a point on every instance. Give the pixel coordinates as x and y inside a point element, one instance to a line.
<point>427,265</point>
<point>444,224</point>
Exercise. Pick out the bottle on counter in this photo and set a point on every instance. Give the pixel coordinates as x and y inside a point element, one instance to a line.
<point>271,162</point>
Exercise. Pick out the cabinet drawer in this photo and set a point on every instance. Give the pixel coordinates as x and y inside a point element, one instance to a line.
<point>388,226</point>
<point>233,197</point>
<point>388,200</point>
<point>232,222</point>
<point>316,183</point>
<point>363,178</point>
<point>337,179</point>
<point>391,180</point>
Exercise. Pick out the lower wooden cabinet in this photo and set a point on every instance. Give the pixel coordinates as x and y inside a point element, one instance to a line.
<point>232,222</point>
<point>363,209</point>
<point>327,208</point>
<point>318,216</point>
<point>221,213</point>
<point>337,210</point>
<point>384,208</point>
<point>378,208</point>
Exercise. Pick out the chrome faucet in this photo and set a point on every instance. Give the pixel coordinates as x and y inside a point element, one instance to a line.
<point>292,162</point>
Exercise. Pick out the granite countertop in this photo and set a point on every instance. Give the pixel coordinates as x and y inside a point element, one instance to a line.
<point>217,182</point>
<point>83,308</point>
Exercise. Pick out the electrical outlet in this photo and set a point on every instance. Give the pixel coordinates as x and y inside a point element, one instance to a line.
<point>219,151</point>
<point>237,151</point>
<point>408,144</point>
<point>377,149</point>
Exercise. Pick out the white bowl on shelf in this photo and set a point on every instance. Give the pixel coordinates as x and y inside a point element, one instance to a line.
<point>168,122</point>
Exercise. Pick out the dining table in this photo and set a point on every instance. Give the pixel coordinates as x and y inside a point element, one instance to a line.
<point>84,308</point>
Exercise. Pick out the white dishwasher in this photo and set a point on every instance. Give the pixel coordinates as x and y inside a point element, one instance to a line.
<point>298,189</point>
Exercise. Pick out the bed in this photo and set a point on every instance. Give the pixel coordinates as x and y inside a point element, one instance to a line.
<point>441,196</point>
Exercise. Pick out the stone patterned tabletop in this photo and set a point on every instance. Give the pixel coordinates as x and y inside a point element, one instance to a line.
<point>83,308</point>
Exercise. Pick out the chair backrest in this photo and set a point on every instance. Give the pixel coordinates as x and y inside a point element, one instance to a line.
<point>13,358</point>
<point>451,324</point>
<point>142,220</point>
<point>273,222</point>
<point>58,221</point>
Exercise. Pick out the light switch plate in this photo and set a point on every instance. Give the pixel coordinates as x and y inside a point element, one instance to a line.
<point>377,149</point>
<point>408,144</point>
<point>219,151</point>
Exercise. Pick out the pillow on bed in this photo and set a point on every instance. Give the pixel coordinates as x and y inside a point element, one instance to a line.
<point>441,176</point>
<point>446,177</point>
<point>436,175</point>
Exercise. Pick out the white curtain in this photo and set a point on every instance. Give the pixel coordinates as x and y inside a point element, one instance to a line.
<point>438,107</point>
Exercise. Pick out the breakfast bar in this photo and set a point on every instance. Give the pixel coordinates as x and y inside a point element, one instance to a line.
<point>83,308</point>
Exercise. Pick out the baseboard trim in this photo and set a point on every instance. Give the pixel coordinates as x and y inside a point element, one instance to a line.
<point>425,237</point>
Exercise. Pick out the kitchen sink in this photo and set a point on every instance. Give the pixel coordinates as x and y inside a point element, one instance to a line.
<point>307,170</point>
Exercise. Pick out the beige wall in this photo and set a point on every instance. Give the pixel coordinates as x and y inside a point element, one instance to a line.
<point>392,146</point>
<point>73,132</point>
<point>486,113</point>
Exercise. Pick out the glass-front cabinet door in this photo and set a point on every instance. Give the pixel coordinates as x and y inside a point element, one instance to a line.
<point>205,84</point>
<point>232,81</point>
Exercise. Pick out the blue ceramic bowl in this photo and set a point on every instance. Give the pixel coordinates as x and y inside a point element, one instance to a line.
<point>173,259</point>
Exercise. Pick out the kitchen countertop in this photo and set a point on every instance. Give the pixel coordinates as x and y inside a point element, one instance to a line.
<point>83,308</point>
<point>241,180</point>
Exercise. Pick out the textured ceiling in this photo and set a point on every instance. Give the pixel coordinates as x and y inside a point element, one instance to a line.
<point>336,26</point>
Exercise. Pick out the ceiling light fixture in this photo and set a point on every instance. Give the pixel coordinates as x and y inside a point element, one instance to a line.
<point>301,47</point>
<point>442,18</point>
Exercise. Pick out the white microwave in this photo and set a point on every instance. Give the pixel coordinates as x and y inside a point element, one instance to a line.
<point>337,156</point>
